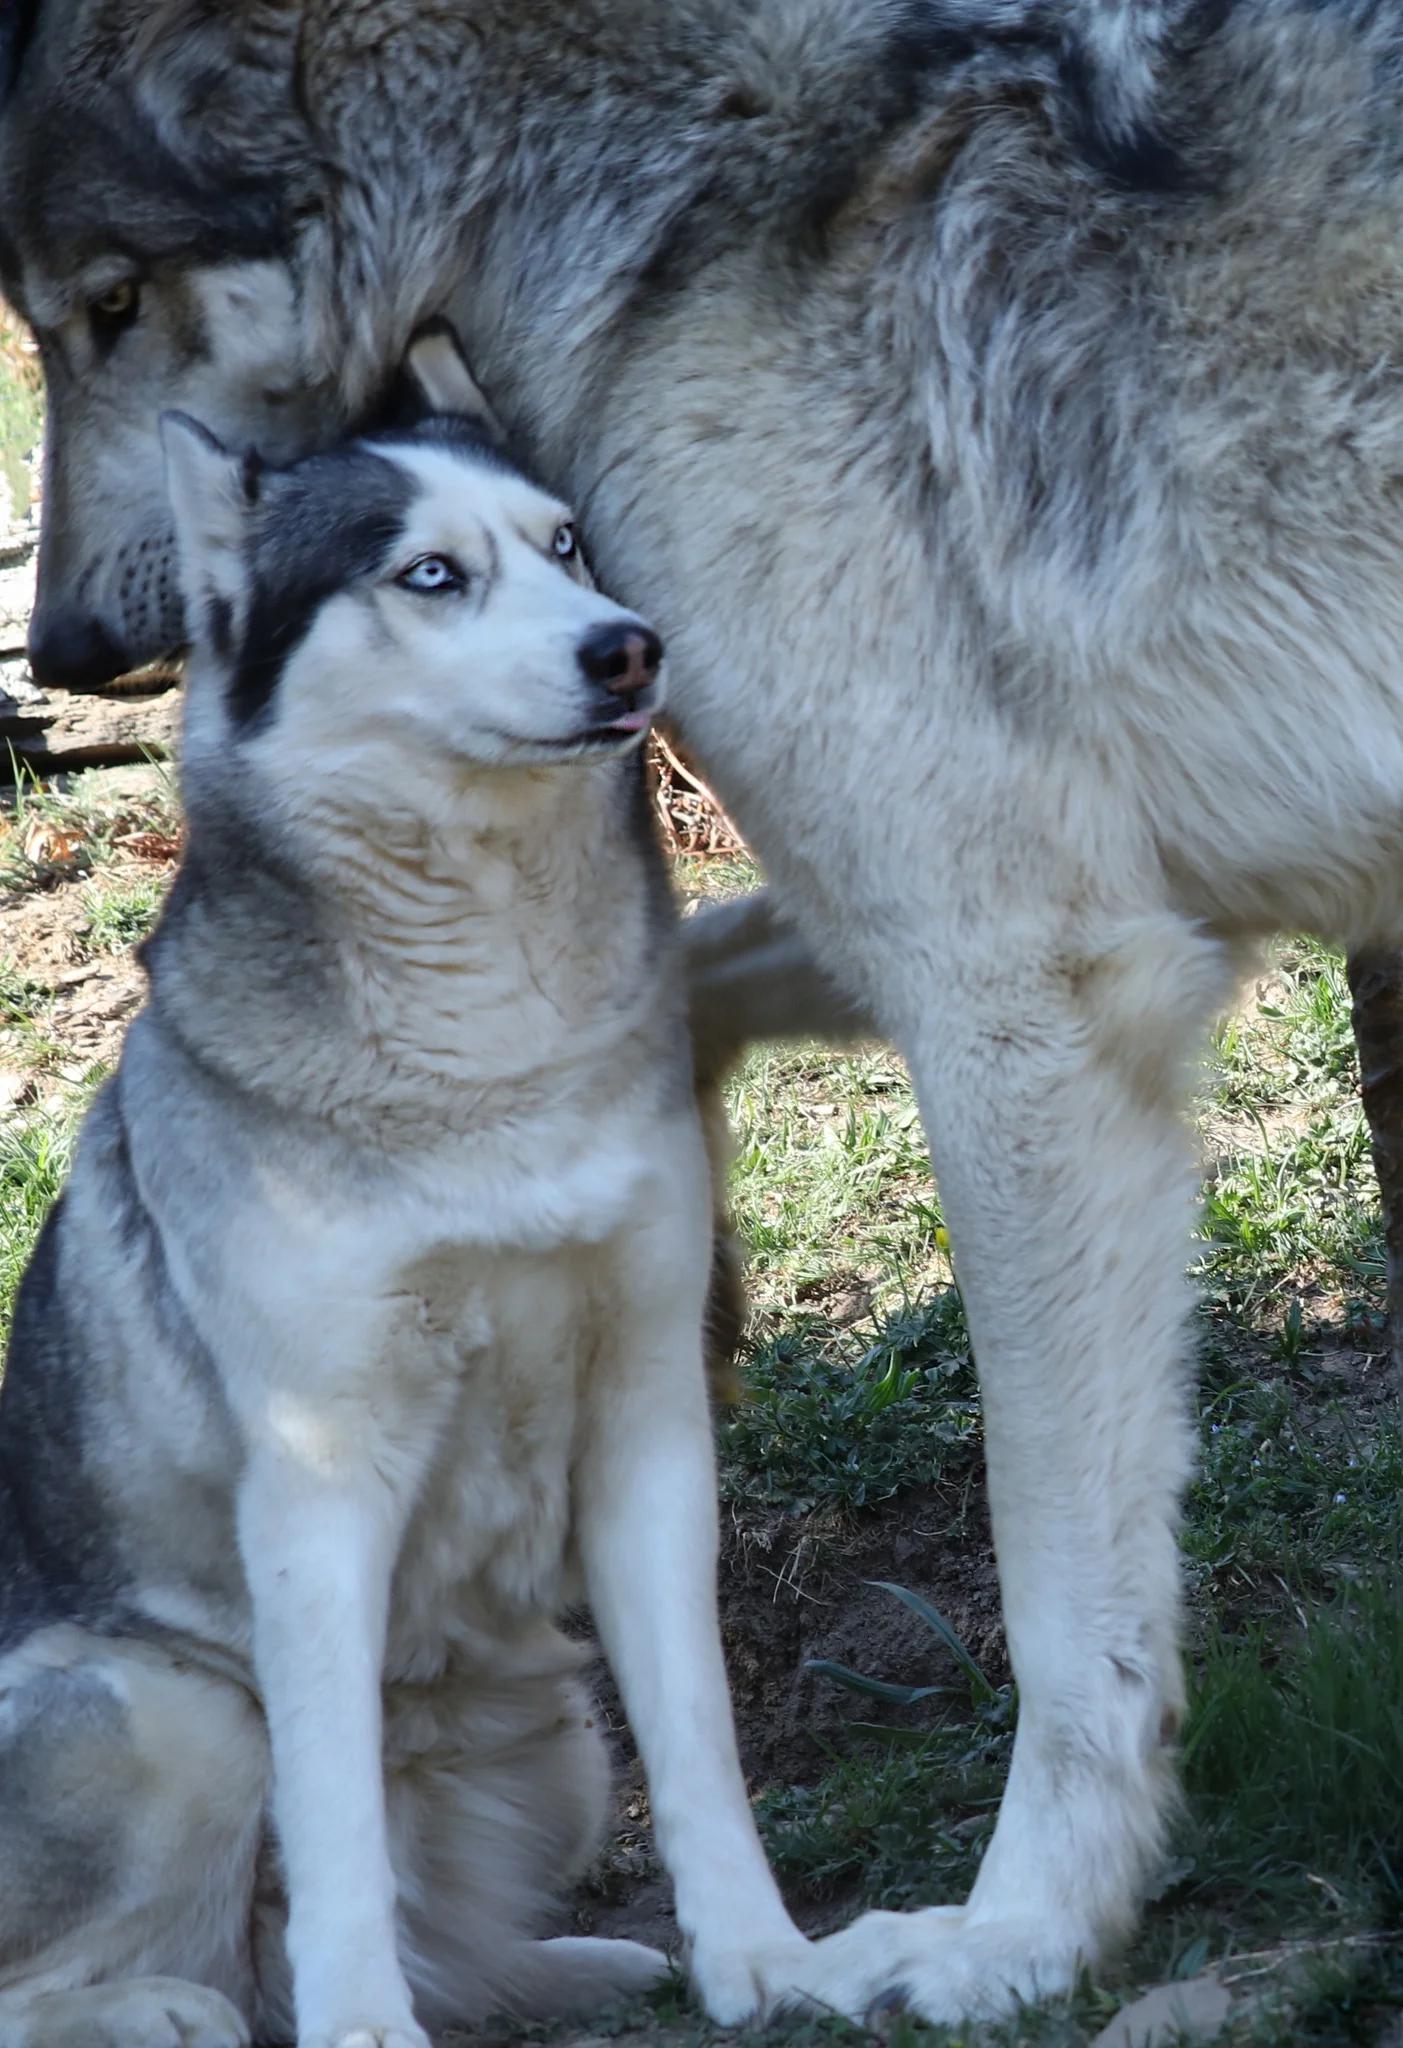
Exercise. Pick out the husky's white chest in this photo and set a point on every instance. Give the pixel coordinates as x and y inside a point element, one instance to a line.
<point>488,1369</point>
<point>434,1326</point>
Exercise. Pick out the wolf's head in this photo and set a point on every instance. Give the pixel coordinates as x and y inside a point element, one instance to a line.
<point>153,171</point>
<point>395,609</point>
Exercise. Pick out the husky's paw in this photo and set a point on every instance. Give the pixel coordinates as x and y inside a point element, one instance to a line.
<point>738,1984</point>
<point>145,2012</point>
<point>940,1965</point>
<point>367,2034</point>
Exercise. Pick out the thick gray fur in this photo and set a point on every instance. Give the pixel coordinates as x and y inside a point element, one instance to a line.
<point>279,1089</point>
<point>999,408</point>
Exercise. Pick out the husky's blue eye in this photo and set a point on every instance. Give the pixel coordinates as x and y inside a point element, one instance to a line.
<point>563,544</point>
<point>432,575</point>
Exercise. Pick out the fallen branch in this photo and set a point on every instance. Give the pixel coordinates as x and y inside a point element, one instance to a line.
<point>693,820</point>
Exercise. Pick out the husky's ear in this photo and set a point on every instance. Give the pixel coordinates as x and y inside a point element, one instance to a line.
<point>210,492</point>
<point>436,373</point>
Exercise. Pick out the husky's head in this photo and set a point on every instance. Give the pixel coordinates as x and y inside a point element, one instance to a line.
<point>400,605</point>
<point>153,172</point>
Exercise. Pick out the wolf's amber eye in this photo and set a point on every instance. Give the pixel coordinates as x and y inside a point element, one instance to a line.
<point>118,306</point>
<point>563,544</point>
<point>432,574</point>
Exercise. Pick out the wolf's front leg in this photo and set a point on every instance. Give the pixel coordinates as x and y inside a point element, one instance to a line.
<point>1049,1064</point>
<point>319,1530</point>
<point>647,1527</point>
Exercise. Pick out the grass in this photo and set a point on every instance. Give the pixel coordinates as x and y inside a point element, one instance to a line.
<point>35,1152</point>
<point>1288,1212</point>
<point>830,1419</point>
<point>123,913</point>
<point>68,845</point>
<point>903,1818</point>
<point>831,1178</point>
<point>83,822</point>
<point>1294,1490</point>
<point>1294,1760</point>
<point>84,863</point>
<point>21,409</point>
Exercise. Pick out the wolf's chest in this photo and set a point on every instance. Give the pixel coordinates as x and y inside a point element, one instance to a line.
<point>489,1365</point>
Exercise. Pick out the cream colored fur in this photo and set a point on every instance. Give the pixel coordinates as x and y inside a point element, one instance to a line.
<point>998,408</point>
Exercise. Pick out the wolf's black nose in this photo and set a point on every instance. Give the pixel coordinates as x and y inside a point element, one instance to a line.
<point>622,658</point>
<point>70,651</point>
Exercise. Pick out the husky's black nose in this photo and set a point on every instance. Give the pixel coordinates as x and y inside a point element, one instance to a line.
<point>622,658</point>
<point>70,651</point>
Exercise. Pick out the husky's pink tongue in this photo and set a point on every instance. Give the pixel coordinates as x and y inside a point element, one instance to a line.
<point>631,721</point>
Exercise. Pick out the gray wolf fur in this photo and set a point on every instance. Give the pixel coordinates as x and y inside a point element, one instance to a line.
<point>999,406</point>
<point>367,1332</point>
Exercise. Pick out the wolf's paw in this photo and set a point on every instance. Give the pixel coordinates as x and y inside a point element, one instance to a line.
<point>144,2012</point>
<point>938,1964</point>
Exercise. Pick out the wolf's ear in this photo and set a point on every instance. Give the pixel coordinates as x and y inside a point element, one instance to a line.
<point>437,375</point>
<point>211,492</point>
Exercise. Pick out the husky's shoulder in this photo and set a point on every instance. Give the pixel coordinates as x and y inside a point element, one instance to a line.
<point>108,1374</point>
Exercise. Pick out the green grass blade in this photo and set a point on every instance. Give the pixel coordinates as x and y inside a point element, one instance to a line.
<point>937,1623</point>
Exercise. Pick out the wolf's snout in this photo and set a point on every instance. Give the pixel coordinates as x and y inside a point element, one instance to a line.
<point>623,658</point>
<point>70,651</point>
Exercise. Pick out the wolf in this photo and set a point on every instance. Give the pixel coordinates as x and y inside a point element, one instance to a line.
<point>998,404</point>
<point>366,1334</point>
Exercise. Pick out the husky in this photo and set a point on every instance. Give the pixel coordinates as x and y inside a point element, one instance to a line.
<point>998,405</point>
<point>366,1334</point>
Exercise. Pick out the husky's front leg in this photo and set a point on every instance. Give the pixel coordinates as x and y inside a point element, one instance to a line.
<point>319,1529</point>
<point>647,1533</point>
